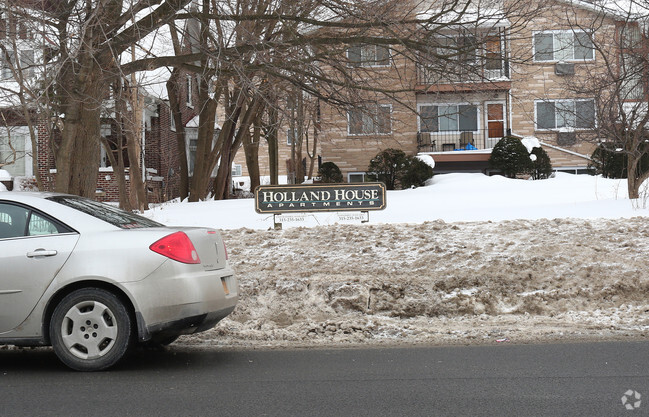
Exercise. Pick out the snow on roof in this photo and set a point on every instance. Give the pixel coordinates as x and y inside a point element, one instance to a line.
<point>155,44</point>
<point>194,123</point>
<point>479,13</point>
<point>621,9</point>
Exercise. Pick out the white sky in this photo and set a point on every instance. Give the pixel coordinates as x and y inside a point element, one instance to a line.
<point>449,197</point>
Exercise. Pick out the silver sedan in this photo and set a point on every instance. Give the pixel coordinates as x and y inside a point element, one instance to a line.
<point>92,280</point>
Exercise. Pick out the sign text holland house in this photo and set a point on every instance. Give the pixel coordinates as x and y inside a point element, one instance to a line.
<point>325,197</point>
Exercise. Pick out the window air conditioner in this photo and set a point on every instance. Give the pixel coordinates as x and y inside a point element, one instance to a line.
<point>562,68</point>
<point>566,138</point>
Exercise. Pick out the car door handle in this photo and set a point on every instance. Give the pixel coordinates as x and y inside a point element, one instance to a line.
<point>41,252</point>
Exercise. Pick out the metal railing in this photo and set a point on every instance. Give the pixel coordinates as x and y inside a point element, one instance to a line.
<point>463,73</point>
<point>458,141</point>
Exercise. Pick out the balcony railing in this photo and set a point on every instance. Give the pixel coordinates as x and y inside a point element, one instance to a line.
<point>467,73</point>
<point>458,141</point>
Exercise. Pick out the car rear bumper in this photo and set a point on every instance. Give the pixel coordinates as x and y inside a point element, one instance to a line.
<point>174,302</point>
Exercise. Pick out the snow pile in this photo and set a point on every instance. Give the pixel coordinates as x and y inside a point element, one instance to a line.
<point>438,283</point>
<point>468,259</point>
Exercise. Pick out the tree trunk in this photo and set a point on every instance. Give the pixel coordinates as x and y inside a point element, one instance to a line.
<point>299,139</point>
<point>118,170</point>
<point>134,147</point>
<point>273,147</point>
<point>634,176</point>
<point>77,160</point>
<point>251,150</point>
<point>203,165</point>
<point>174,105</point>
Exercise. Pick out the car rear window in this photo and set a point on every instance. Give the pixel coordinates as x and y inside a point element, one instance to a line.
<point>109,214</point>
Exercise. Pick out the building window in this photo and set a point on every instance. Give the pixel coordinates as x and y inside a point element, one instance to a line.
<point>190,91</point>
<point>565,114</point>
<point>356,177</point>
<point>191,134</point>
<point>563,46</point>
<point>458,48</point>
<point>15,151</point>
<point>370,121</point>
<point>105,133</point>
<point>172,121</point>
<point>632,72</point>
<point>631,36</point>
<point>448,118</point>
<point>14,28</point>
<point>26,63</point>
<point>236,170</point>
<point>368,55</point>
<point>290,136</point>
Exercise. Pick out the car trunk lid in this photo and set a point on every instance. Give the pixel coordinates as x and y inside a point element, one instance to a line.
<point>209,246</point>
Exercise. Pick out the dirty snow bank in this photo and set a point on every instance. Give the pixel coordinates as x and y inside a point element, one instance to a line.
<point>438,282</point>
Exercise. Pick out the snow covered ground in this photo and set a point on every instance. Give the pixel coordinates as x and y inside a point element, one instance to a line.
<point>467,259</point>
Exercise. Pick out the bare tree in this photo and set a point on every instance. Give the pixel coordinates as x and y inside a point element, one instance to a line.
<point>618,85</point>
<point>238,48</point>
<point>86,39</point>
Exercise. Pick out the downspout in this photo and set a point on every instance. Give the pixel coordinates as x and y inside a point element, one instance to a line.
<point>143,143</point>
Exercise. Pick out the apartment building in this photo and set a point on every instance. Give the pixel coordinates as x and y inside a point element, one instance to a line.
<point>501,80</point>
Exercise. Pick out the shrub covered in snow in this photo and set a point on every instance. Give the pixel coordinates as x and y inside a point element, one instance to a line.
<point>416,173</point>
<point>541,165</point>
<point>387,167</point>
<point>330,173</point>
<point>398,170</point>
<point>511,157</point>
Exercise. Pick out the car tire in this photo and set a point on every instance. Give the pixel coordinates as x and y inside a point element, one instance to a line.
<point>91,329</point>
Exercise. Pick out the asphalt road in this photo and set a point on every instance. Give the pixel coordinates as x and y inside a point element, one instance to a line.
<point>502,380</point>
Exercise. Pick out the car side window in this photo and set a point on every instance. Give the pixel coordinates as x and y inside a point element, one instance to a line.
<point>39,226</point>
<point>12,220</point>
<point>19,221</point>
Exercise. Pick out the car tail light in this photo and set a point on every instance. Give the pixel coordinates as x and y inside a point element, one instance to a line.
<point>178,247</point>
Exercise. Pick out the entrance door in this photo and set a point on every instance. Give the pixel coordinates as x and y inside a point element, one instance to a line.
<point>495,123</point>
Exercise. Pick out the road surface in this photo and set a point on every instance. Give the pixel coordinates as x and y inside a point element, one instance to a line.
<point>581,379</point>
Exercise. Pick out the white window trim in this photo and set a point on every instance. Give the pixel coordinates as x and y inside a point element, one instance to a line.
<point>172,121</point>
<point>22,130</point>
<point>479,107</point>
<point>288,136</point>
<point>188,150</point>
<point>350,174</point>
<point>563,129</point>
<point>105,132</point>
<point>190,91</point>
<point>349,125</point>
<point>237,170</point>
<point>554,61</point>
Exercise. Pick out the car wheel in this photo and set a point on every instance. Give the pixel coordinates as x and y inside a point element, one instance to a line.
<point>91,329</point>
